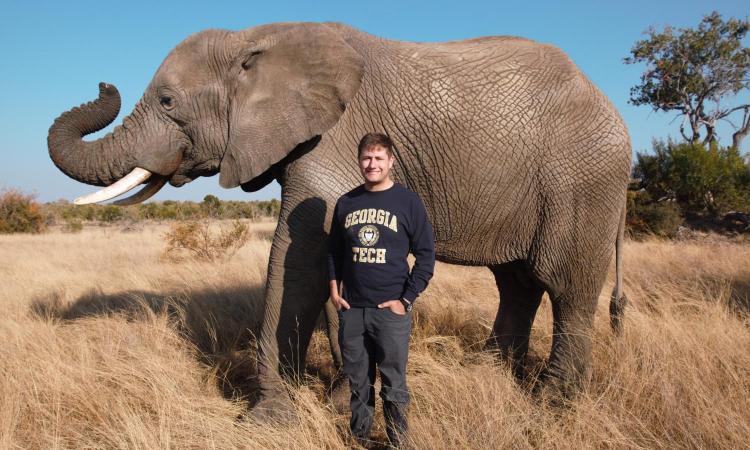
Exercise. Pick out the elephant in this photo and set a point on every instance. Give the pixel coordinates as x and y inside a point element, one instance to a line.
<point>521,162</point>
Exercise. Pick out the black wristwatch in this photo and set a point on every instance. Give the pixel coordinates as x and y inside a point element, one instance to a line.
<point>406,303</point>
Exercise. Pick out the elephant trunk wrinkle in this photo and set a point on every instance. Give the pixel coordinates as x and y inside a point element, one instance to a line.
<point>94,162</point>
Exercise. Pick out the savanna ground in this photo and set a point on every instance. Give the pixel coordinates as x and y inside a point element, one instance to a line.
<point>106,344</point>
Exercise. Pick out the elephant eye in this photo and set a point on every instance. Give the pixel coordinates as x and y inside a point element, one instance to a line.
<point>247,62</point>
<point>166,102</point>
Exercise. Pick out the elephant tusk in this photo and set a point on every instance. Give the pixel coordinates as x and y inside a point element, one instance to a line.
<point>123,185</point>
<point>144,194</point>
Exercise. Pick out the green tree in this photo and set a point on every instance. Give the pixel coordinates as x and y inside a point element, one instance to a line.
<point>212,206</point>
<point>691,71</point>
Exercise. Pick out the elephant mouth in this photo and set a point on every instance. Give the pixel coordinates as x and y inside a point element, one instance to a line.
<point>126,184</point>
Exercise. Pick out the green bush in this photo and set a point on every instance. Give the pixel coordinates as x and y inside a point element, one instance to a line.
<point>110,213</point>
<point>647,217</point>
<point>20,213</point>
<point>73,225</point>
<point>270,208</point>
<point>148,211</point>
<point>704,180</point>
<point>189,211</point>
<point>86,213</point>
<point>239,210</point>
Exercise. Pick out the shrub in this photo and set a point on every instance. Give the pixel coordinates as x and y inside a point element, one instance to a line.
<point>20,213</point>
<point>270,208</point>
<point>86,213</point>
<point>196,239</point>
<point>239,210</point>
<point>646,216</point>
<point>148,211</point>
<point>212,206</point>
<point>189,211</point>
<point>73,225</point>
<point>110,213</point>
<point>703,180</point>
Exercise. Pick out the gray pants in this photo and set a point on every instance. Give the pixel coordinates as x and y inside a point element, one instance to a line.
<point>371,337</point>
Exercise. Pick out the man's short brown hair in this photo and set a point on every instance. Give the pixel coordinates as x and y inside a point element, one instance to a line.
<point>375,139</point>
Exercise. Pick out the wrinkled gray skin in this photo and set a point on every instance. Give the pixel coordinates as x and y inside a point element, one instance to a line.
<point>521,162</point>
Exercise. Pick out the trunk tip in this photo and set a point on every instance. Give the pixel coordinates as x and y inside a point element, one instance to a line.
<point>107,90</point>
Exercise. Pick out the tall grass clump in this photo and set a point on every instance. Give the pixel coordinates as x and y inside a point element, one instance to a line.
<point>197,239</point>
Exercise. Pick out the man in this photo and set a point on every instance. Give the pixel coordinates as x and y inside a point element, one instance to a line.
<point>374,227</point>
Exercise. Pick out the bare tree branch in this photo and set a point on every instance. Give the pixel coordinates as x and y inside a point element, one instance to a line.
<point>740,134</point>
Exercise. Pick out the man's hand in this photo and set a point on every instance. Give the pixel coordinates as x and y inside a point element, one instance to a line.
<point>339,302</point>
<point>395,306</point>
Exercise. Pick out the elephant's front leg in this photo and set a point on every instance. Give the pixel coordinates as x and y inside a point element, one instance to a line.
<point>296,291</point>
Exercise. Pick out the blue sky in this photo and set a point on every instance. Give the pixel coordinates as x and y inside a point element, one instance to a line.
<point>55,53</point>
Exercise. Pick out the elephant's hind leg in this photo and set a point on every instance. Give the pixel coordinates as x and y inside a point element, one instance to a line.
<point>520,296</point>
<point>569,367</point>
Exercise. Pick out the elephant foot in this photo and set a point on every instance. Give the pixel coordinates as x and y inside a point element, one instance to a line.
<point>340,394</point>
<point>506,354</point>
<point>559,391</point>
<point>273,407</point>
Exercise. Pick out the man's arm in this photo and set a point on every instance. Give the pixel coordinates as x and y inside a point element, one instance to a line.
<point>422,245</point>
<point>335,258</point>
<point>334,247</point>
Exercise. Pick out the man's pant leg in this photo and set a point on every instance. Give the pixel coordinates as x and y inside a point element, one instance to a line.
<point>392,341</point>
<point>358,357</point>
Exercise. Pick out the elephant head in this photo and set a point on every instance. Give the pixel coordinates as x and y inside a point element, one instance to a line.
<point>233,103</point>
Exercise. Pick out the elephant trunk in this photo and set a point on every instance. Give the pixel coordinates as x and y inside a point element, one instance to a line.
<point>100,162</point>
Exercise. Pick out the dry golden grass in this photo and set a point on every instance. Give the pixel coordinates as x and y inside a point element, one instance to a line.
<point>104,344</point>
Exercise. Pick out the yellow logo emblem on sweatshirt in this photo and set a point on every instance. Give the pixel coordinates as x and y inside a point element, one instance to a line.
<point>368,235</point>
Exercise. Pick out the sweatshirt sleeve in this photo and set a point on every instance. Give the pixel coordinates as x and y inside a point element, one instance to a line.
<point>335,247</point>
<point>422,245</point>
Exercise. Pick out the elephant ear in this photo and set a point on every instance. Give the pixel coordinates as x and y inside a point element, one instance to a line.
<point>293,85</point>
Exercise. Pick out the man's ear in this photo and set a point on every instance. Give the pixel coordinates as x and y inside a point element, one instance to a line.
<point>291,86</point>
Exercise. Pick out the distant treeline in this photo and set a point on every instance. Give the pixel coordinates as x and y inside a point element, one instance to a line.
<point>20,213</point>
<point>211,207</point>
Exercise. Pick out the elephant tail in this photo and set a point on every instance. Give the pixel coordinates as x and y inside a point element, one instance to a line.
<point>618,301</point>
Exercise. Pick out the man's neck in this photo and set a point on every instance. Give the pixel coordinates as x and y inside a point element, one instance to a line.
<point>383,185</point>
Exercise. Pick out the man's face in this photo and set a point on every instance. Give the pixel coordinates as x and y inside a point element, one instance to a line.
<point>374,163</point>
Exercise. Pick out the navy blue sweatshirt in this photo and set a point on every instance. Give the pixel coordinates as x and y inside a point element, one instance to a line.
<point>371,236</point>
